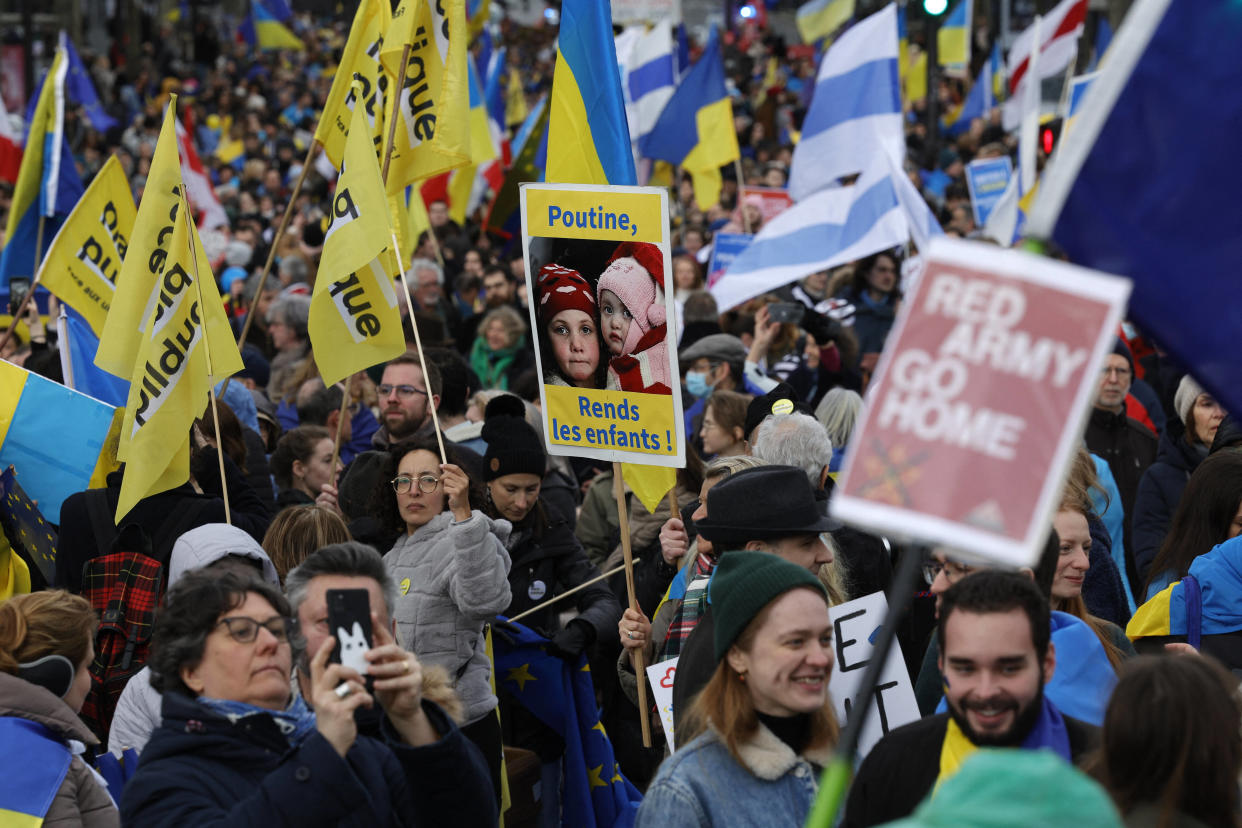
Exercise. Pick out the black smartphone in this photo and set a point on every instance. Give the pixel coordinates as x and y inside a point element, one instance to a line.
<point>786,312</point>
<point>349,620</point>
<point>19,288</point>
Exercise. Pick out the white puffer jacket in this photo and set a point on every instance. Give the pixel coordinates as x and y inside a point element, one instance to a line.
<point>452,578</point>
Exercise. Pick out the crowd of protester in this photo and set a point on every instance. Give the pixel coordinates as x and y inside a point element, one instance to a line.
<point>239,715</point>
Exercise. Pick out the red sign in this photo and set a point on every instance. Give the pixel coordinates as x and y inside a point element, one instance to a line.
<point>979,401</point>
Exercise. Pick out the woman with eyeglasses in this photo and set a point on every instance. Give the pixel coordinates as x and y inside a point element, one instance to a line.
<point>238,747</point>
<point>452,574</point>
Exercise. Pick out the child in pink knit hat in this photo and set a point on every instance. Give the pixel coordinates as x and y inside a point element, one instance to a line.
<point>632,319</point>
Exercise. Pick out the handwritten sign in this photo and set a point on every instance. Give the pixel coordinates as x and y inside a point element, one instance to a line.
<point>661,678</point>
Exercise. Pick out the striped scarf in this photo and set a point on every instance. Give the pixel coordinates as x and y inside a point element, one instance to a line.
<point>692,606</point>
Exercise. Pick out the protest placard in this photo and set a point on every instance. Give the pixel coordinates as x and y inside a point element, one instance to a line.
<point>661,677</point>
<point>770,201</point>
<point>854,625</point>
<point>979,401</point>
<point>725,248</point>
<point>597,260</point>
<point>987,179</point>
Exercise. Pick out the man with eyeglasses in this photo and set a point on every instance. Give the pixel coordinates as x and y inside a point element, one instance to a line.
<point>1125,444</point>
<point>406,397</point>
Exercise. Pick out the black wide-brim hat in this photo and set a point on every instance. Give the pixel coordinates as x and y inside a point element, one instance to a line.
<point>763,503</point>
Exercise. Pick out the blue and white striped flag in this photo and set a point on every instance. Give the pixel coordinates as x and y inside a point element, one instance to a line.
<point>651,77</point>
<point>856,107</point>
<point>827,229</point>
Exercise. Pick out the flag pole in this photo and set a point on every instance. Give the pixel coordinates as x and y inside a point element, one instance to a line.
<point>30,294</point>
<point>640,665</point>
<point>396,249</point>
<point>542,605</point>
<point>340,427</point>
<point>211,380</point>
<point>62,337</point>
<point>271,253</point>
<point>741,193</point>
<point>840,769</point>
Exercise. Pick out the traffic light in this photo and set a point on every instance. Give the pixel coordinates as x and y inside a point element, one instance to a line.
<point>935,8</point>
<point>1049,133</point>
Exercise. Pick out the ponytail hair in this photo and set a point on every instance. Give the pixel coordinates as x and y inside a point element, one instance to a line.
<point>52,622</point>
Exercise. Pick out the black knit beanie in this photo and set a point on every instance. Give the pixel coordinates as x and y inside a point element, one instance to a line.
<point>513,447</point>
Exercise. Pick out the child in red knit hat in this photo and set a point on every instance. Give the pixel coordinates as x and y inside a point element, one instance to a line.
<point>633,319</point>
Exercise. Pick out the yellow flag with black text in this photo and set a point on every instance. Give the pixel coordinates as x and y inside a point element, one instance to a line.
<point>359,61</point>
<point>433,133</point>
<point>83,261</point>
<point>185,344</point>
<point>145,259</point>
<point>354,321</point>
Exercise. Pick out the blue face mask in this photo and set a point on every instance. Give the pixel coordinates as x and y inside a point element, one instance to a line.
<point>696,384</point>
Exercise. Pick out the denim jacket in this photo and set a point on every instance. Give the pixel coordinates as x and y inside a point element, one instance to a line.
<point>702,784</point>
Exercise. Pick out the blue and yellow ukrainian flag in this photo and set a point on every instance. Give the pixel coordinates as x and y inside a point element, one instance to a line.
<point>818,19</point>
<point>265,26</point>
<point>1219,573</point>
<point>48,184</point>
<point>953,38</point>
<point>588,135</point>
<point>52,435</point>
<point>703,100</point>
<point>28,787</point>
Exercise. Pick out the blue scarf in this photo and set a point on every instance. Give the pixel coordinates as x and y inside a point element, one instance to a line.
<point>296,722</point>
<point>1049,732</point>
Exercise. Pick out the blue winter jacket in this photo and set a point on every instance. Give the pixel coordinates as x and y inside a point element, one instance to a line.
<point>702,784</point>
<point>201,769</point>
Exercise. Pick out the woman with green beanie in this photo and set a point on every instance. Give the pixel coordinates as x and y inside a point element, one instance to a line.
<point>764,723</point>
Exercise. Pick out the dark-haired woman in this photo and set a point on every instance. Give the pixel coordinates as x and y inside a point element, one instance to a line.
<point>452,573</point>
<point>547,560</point>
<point>875,294</point>
<point>1170,750</point>
<point>1209,512</point>
<point>302,465</point>
<point>764,722</point>
<point>237,747</point>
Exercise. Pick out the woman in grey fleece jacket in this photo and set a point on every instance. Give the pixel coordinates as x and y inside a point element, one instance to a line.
<point>451,570</point>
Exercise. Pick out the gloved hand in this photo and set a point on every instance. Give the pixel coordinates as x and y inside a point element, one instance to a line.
<point>570,642</point>
<point>823,329</point>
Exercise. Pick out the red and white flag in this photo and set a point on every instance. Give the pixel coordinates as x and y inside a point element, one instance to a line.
<point>10,147</point>
<point>197,185</point>
<point>1058,46</point>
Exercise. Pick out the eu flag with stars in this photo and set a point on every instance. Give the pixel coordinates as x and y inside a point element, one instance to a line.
<point>31,537</point>
<point>561,696</point>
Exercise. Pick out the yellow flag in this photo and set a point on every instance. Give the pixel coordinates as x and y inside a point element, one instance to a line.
<point>359,60</point>
<point>354,321</point>
<point>185,343</point>
<point>82,264</point>
<point>515,100</point>
<point>145,259</point>
<point>433,133</point>
<point>649,483</point>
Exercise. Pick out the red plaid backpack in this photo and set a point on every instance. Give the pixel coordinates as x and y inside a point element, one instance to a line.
<point>125,584</point>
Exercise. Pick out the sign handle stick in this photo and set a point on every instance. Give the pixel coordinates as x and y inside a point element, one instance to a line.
<point>640,666</point>
<point>741,193</point>
<point>271,253</point>
<point>544,604</point>
<point>211,379</point>
<point>30,294</point>
<point>840,769</point>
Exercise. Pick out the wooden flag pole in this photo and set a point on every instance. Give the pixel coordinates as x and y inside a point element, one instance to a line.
<point>545,604</point>
<point>271,253</point>
<point>17,317</point>
<point>741,193</point>
<point>640,663</point>
<point>340,428</point>
<point>396,248</point>
<point>211,379</point>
